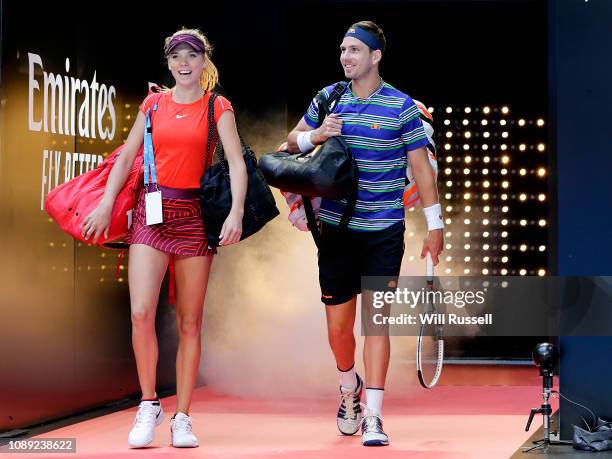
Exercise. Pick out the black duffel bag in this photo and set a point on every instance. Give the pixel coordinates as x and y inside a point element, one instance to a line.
<point>329,171</point>
<point>216,193</point>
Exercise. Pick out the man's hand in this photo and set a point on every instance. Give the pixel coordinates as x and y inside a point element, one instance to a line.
<point>331,127</point>
<point>434,244</point>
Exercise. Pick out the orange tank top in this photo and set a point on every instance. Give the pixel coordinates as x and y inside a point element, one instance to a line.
<point>180,133</point>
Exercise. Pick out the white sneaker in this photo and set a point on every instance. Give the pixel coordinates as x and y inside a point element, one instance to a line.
<point>182,436</point>
<point>148,417</point>
<point>349,412</point>
<point>372,433</point>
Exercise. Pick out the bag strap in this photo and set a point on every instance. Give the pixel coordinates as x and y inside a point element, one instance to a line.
<point>325,103</point>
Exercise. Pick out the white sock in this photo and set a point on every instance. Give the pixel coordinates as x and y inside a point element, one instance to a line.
<point>348,378</point>
<point>374,400</point>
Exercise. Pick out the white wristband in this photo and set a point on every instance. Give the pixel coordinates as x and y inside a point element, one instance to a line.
<point>433,215</point>
<point>303,141</point>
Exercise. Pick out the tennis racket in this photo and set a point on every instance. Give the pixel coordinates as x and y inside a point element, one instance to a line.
<point>430,343</point>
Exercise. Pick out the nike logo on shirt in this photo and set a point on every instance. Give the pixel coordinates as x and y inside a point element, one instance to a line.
<point>180,116</point>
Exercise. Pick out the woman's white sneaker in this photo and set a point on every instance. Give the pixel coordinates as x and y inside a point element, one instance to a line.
<point>149,416</point>
<point>182,435</point>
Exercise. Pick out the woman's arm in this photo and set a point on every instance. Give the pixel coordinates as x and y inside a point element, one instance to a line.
<point>232,227</point>
<point>98,222</point>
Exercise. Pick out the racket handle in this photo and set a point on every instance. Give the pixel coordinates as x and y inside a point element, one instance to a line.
<point>430,266</point>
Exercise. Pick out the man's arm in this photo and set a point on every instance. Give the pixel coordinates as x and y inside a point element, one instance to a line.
<point>424,177</point>
<point>332,126</point>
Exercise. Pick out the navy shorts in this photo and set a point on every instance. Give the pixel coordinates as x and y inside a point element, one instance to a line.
<point>346,256</point>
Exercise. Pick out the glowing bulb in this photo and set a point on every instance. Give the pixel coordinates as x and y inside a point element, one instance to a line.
<point>485,271</point>
<point>485,234</point>
<point>449,110</point>
<point>446,122</point>
<point>449,208</point>
<point>541,147</point>
<point>465,122</point>
<point>466,196</point>
<point>447,271</point>
<point>484,122</point>
<point>485,184</point>
<point>504,196</point>
<point>449,258</point>
<point>505,160</point>
<point>485,147</point>
<point>504,172</point>
<point>503,147</point>
<point>449,134</point>
<point>485,171</point>
<point>467,134</point>
<point>521,122</point>
<point>466,271</point>
<point>485,222</point>
<point>522,147</point>
<point>485,197</point>
<point>466,258</point>
<point>449,159</point>
<point>504,247</point>
<point>468,184</point>
<point>542,222</point>
<point>502,122</point>
<point>468,159</point>
<point>447,171</point>
<point>466,234</point>
<point>448,221</point>
<point>504,184</point>
<point>486,110</point>
<point>504,222</point>
<point>447,146</point>
<point>540,122</point>
<point>523,248</point>
<point>486,135</point>
<point>541,272</point>
<point>449,183</point>
<point>486,159</point>
<point>504,259</point>
<point>504,272</point>
<point>485,247</point>
<point>523,222</point>
<point>466,221</point>
<point>504,136</point>
<point>485,259</point>
<point>466,171</point>
<point>468,110</point>
<point>505,110</point>
<point>467,208</point>
<point>522,272</point>
<point>541,197</point>
<point>505,209</point>
<point>466,246</point>
<point>504,234</point>
<point>466,146</point>
<point>522,172</point>
<point>522,196</point>
<point>542,248</point>
<point>448,196</point>
<point>486,209</point>
<point>449,246</point>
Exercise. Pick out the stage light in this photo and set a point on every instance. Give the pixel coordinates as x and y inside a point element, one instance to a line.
<point>485,222</point>
<point>505,209</point>
<point>485,247</point>
<point>448,271</point>
<point>466,271</point>
<point>447,146</point>
<point>466,221</point>
<point>448,196</point>
<point>485,234</point>
<point>449,110</point>
<point>466,196</point>
<point>449,183</point>
<point>521,122</point>
<point>523,248</point>
<point>504,196</point>
<point>449,234</point>
<point>504,184</point>
<point>504,172</point>
<point>522,172</point>
<point>523,222</point>
<point>446,122</point>
<point>504,136</point>
<point>449,208</point>
<point>522,197</point>
<point>448,171</point>
<point>468,184</point>
<point>468,159</point>
<point>449,159</point>
<point>485,271</point>
<point>504,259</point>
<point>541,197</point>
<point>485,147</point>
<point>449,258</point>
<point>449,134</point>
<point>466,259</point>
<point>486,135</point>
<point>486,159</point>
<point>540,122</point>
<point>504,247</point>
<point>486,209</point>
<point>541,147</point>
<point>468,110</point>
<point>448,221</point>
<point>486,110</point>
<point>449,246</point>
<point>430,109</point>
<point>502,122</point>
<point>522,272</point>
<point>503,147</point>
<point>484,122</point>
<point>505,110</point>
<point>504,234</point>
<point>466,234</point>
<point>466,246</point>
<point>504,272</point>
<point>485,197</point>
<point>541,272</point>
<point>466,171</point>
<point>505,160</point>
<point>542,222</point>
<point>467,208</point>
<point>466,146</point>
<point>522,147</point>
<point>465,122</point>
<point>542,248</point>
<point>504,222</point>
<point>485,171</point>
<point>485,259</point>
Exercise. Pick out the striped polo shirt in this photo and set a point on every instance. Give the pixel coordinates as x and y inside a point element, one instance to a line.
<point>380,131</point>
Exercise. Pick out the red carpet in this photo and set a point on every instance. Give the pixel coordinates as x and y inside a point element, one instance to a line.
<point>446,422</point>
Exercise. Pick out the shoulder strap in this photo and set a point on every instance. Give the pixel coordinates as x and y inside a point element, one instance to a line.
<point>325,103</point>
<point>212,126</point>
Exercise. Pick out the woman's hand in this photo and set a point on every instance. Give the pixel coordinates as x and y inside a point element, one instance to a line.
<point>232,228</point>
<point>97,222</point>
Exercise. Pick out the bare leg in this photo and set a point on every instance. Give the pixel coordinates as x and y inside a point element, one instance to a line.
<point>376,351</point>
<point>340,323</point>
<point>191,282</point>
<point>146,269</point>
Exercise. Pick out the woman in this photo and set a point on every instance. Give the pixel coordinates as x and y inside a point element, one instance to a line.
<point>180,132</point>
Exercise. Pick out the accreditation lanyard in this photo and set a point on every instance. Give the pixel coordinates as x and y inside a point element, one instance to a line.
<point>153,200</point>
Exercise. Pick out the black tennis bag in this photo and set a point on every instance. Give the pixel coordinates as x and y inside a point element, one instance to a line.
<point>329,171</point>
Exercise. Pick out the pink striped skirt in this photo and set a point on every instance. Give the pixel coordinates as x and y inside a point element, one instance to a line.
<point>181,232</point>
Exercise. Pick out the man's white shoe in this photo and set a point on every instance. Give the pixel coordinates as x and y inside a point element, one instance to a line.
<point>349,412</point>
<point>372,433</point>
<point>182,435</point>
<point>148,417</point>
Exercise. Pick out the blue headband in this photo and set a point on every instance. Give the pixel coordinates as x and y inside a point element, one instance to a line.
<point>367,37</point>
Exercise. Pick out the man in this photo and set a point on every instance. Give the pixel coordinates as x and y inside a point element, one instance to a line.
<point>382,127</point>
